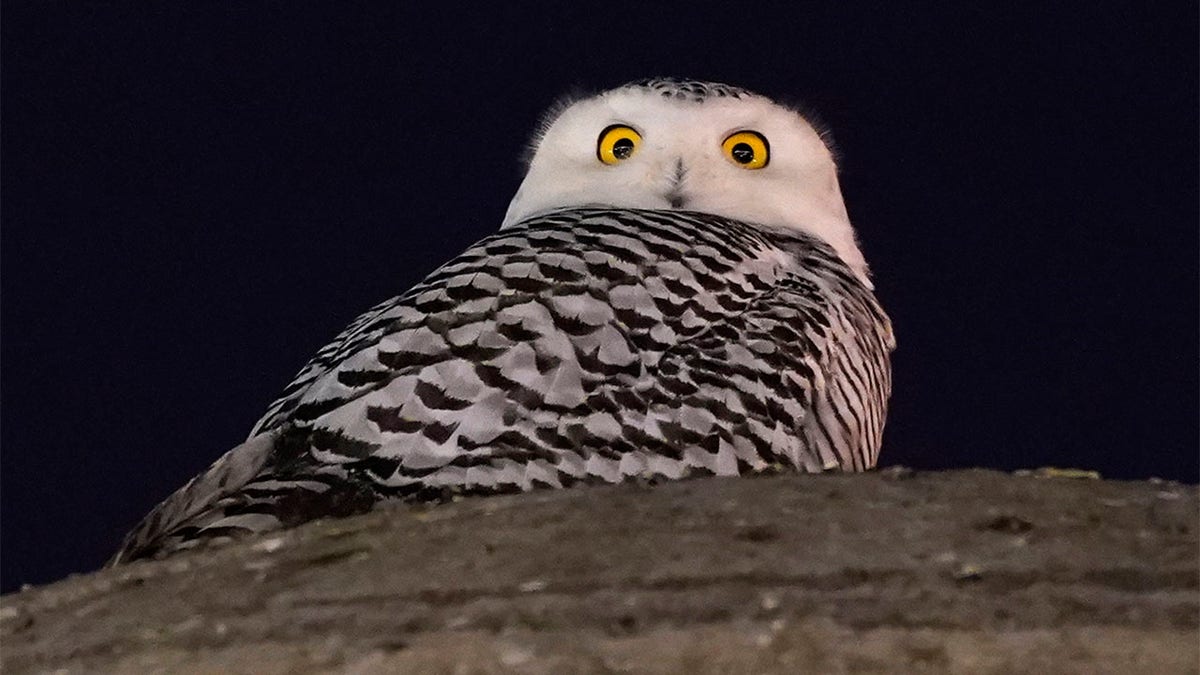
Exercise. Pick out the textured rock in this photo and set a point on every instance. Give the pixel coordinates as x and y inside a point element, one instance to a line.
<point>961,571</point>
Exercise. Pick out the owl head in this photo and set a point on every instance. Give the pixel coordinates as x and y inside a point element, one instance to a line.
<point>695,146</point>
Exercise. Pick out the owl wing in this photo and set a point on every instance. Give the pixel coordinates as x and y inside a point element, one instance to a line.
<point>584,345</point>
<point>799,376</point>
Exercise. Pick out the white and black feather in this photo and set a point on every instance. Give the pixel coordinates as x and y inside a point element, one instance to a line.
<point>586,345</point>
<point>703,320</point>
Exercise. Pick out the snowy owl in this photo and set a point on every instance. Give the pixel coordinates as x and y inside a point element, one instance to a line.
<point>675,290</point>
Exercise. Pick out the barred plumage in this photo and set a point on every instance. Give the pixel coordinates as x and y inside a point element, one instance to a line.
<point>581,345</point>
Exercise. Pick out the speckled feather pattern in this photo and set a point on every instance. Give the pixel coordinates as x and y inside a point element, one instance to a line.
<point>692,90</point>
<point>588,345</point>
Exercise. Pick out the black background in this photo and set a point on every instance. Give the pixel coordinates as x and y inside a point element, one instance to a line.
<point>196,196</point>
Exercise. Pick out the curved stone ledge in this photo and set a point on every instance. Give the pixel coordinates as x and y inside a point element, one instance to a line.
<point>958,571</point>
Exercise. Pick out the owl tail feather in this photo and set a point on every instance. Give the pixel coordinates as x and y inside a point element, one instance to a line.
<point>228,474</point>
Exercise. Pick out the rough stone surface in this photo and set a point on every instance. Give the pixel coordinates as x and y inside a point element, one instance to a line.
<point>962,571</point>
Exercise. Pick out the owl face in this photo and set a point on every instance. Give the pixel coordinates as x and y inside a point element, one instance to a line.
<point>673,145</point>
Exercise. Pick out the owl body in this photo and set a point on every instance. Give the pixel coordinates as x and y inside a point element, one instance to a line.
<point>622,323</point>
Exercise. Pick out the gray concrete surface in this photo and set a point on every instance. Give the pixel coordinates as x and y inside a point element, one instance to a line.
<point>961,571</point>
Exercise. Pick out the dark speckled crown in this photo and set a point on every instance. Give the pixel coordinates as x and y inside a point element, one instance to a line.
<point>671,87</point>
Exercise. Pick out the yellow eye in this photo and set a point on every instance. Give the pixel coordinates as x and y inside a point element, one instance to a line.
<point>747,149</point>
<point>617,143</point>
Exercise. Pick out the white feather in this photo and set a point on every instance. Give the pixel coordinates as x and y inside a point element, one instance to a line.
<point>797,189</point>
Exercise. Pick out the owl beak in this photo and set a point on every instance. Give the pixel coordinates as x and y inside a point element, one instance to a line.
<point>674,194</point>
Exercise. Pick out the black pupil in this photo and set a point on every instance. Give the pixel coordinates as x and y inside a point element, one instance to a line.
<point>742,153</point>
<point>623,148</point>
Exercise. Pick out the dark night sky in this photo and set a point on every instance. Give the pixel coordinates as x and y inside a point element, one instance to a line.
<point>196,198</point>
